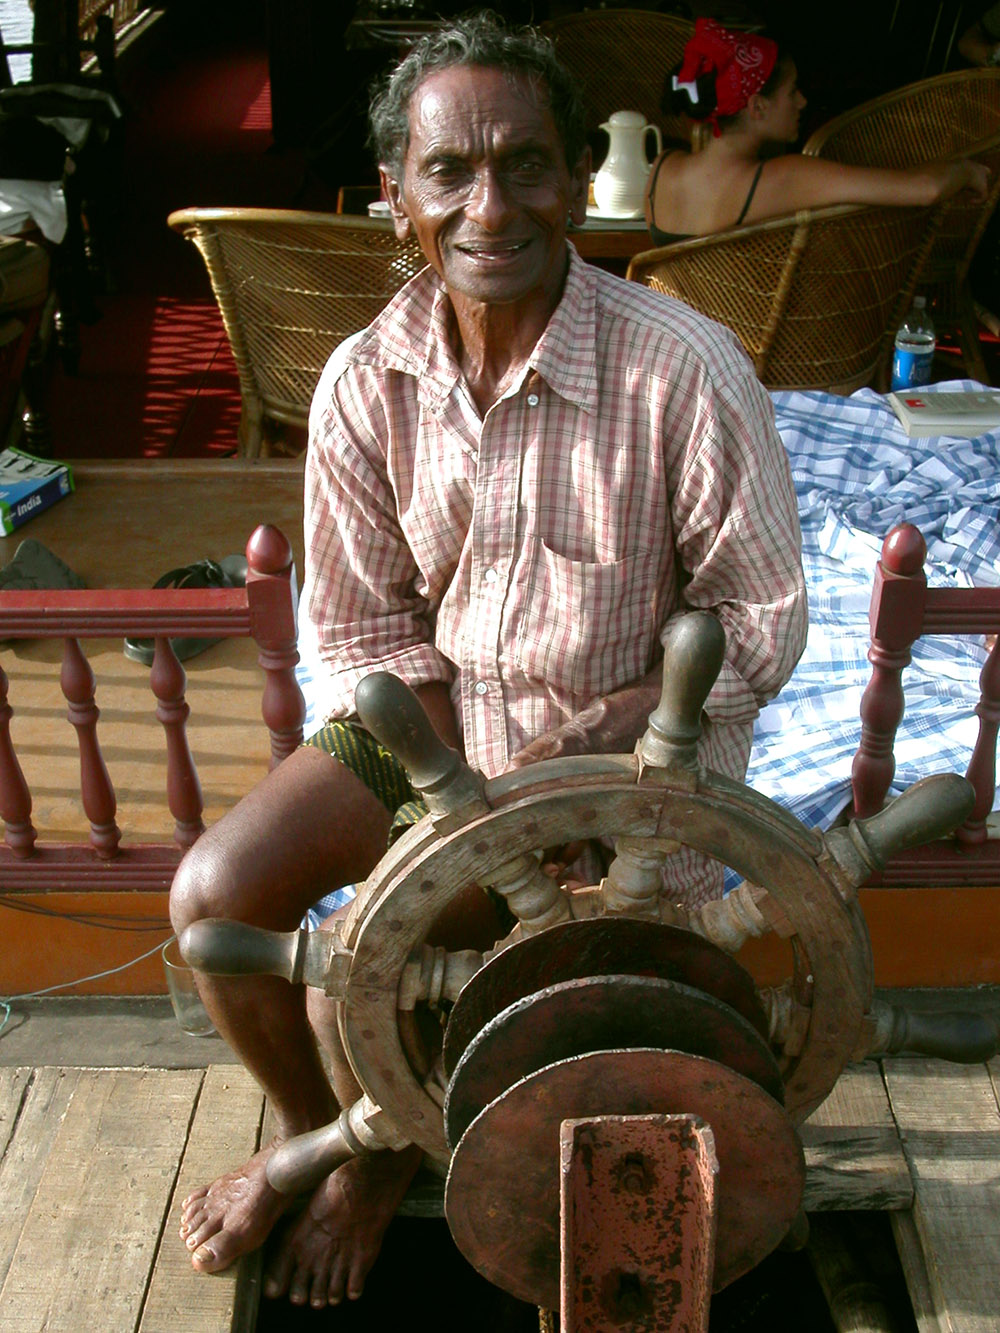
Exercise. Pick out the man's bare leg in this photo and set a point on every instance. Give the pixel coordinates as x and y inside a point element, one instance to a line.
<point>327,1251</point>
<point>309,827</point>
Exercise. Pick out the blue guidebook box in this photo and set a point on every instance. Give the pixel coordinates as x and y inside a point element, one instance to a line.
<point>28,485</point>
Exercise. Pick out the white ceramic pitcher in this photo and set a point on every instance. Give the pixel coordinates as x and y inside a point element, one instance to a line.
<point>620,184</point>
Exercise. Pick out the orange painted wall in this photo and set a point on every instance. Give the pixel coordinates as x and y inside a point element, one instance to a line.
<point>920,937</point>
<point>50,938</point>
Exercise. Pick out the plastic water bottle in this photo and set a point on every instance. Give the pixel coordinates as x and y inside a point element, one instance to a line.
<point>915,344</point>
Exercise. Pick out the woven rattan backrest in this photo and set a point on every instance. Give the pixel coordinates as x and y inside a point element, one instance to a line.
<point>814,298</point>
<point>949,116</point>
<point>621,58</point>
<point>291,286</point>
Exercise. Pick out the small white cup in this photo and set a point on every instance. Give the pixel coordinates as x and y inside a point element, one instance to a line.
<point>189,1011</point>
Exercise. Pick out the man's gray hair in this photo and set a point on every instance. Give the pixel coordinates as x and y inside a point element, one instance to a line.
<point>482,40</point>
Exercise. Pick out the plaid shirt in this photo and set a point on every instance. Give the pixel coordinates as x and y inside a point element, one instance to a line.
<point>532,558</point>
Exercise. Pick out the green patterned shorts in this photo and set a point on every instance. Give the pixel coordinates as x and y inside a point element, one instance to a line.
<point>377,767</point>
<point>386,778</point>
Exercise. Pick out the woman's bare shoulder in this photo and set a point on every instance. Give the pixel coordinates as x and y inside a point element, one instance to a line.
<point>671,160</point>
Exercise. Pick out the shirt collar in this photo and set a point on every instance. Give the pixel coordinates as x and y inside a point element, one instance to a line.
<point>412,335</point>
<point>565,356</point>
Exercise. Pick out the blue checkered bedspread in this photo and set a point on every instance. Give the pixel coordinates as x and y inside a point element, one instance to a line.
<point>857,474</point>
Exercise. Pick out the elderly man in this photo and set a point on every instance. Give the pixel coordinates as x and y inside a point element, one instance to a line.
<point>518,476</point>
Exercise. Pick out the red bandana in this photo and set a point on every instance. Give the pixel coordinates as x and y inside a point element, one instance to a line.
<point>741,63</point>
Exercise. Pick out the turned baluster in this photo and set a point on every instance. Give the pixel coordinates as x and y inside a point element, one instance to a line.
<point>982,770</point>
<point>167,681</point>
<point>271,598</point>
<point>78,686</point>
<point>15,798</point>
<point>896,617</point>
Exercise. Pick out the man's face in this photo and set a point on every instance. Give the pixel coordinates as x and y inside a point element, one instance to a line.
<point>486,188</point>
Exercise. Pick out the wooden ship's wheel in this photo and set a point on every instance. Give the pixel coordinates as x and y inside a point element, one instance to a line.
<point>607,1003</point>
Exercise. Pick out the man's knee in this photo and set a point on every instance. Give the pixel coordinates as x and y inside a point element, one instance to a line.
<point>200,887</point>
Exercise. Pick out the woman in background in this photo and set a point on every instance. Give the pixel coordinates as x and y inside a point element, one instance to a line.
<point>740,88</point>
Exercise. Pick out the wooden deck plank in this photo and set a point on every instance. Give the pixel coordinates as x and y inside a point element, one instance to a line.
<point>13,1085</point>
<point>96,1162</point>
<point>224,1133</point>
<point>100,1203</point>
<point>43,1095</point>
<point>853,1155</point>
<point>949,1121</point>
<point>914,1266</point>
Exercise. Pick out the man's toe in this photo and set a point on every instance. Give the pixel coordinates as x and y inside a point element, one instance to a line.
<point>318,1298</point>
<point>357,1275</point>
<point>213,1255</point>
<point>278,1274</point>
<point>298,1288</point>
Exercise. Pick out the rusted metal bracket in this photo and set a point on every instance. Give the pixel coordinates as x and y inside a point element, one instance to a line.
<point>638,1212</point>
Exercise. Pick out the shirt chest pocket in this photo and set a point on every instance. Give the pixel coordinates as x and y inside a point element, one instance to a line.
<point>584,627</point>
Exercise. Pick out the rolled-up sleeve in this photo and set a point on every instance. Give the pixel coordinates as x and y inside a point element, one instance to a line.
<point>362,588</point>
<point>738,540</point>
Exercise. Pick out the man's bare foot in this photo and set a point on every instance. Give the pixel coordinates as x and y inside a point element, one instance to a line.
<point>328,1250</point>
<point>232,1216</point>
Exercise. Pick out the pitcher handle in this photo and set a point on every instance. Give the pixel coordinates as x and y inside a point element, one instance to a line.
<point>656,135</point>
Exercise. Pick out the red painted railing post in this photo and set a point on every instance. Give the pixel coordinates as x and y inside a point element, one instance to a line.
<point>982,770</point>
<point>97,793</point>
<point>168,681</point>
<point>272,599</point>
<point>895,618</point>
<point>15,796</point>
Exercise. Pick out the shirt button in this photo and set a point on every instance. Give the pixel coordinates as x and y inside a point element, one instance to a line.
<point>532,399</point>
<point>490,576</point>
<point>481,687</point>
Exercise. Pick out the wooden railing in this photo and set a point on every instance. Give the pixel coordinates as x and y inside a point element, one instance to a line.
<point>264,609</point>
<point>903,608</point>
<point>67,37</point>
<point>123,13</point>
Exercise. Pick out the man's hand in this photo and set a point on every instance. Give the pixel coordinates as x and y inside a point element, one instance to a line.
<point>609,725</point>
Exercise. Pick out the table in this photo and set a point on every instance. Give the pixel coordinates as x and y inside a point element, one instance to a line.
<point>603,239</point>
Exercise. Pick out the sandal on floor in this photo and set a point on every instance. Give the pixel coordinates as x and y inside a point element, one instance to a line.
<point>230,572</point>
<point>35,566</point>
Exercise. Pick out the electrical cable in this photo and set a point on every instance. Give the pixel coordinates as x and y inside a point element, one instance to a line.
<point>100,920</point>
<point>62,985</point>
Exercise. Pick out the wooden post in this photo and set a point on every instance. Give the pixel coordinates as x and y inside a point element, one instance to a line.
<point>168,682</point>
<point>272,602</point>
<point>98,794</point>
<point>896,617</point>
<point>15,797</point>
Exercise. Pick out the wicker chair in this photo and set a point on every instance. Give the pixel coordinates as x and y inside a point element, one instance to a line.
<point>949,116</point>
<point>291,286</point>
<point>815,297</point>
<point>621,58</point>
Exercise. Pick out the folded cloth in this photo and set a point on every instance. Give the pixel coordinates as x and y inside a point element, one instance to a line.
<point>230,572</point>
<point>34,566</point>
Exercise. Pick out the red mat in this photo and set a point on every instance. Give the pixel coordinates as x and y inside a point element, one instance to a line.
<point>156,378</point>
